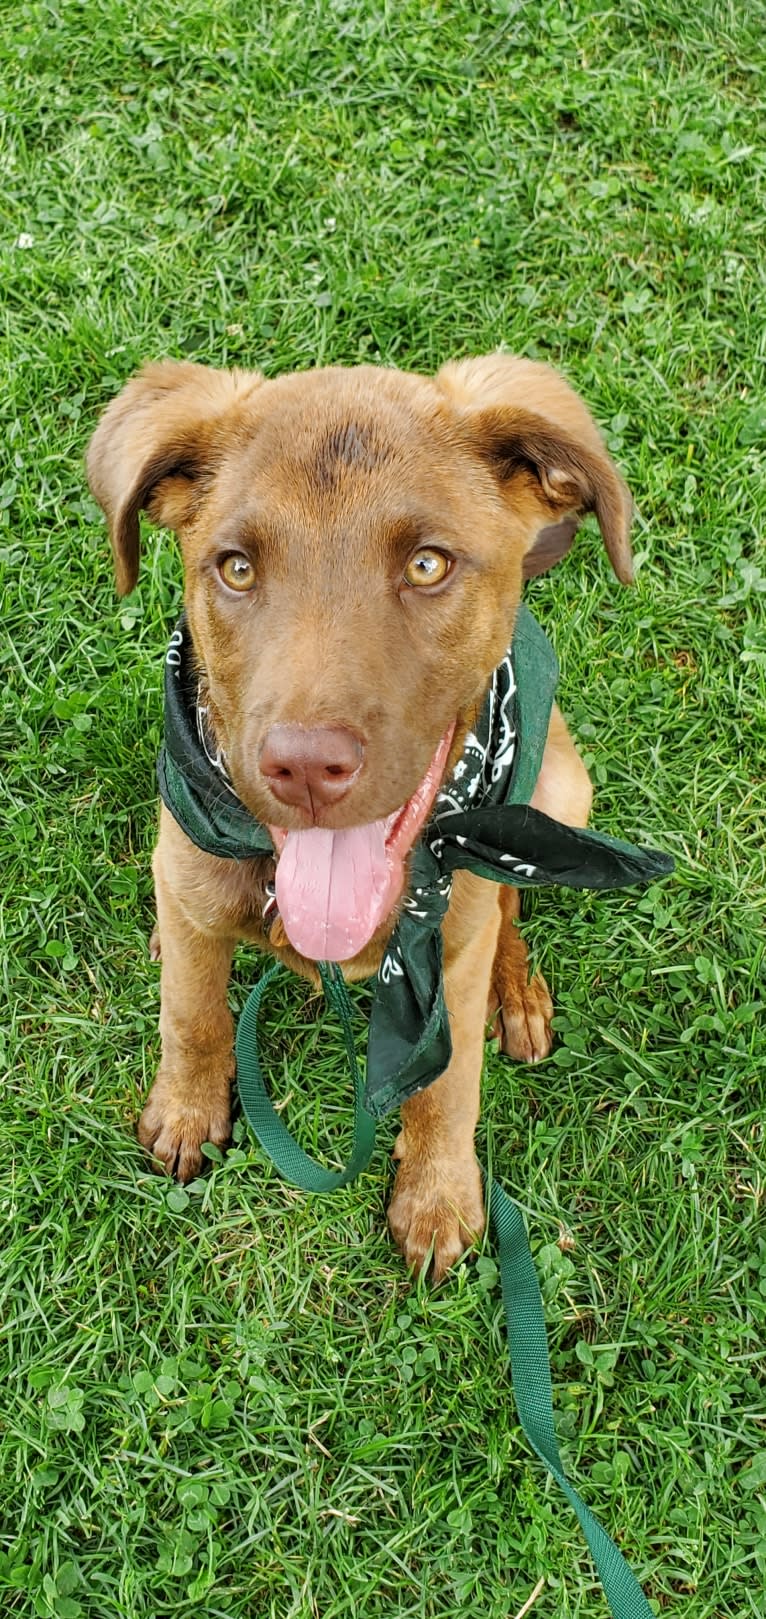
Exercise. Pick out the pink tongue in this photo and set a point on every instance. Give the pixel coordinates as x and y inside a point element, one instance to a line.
<point>334,889</point>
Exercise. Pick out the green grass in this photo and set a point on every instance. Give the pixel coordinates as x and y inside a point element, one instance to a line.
<point>230,1401</point>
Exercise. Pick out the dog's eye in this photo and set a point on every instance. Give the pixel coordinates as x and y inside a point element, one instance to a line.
<point>427,567</point>
<point>237,571</point>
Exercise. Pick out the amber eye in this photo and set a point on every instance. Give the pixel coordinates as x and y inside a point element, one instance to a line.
<point>237,571</point>
<point>427,567</point>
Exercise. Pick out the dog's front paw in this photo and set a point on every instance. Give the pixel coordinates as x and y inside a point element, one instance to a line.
<point>437,1206</point>
<point>522,1022</point>
<point>173,1127</point>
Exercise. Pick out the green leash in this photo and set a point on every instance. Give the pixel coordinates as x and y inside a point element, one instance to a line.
<point>290,1159</point>
<point>522,1301</point>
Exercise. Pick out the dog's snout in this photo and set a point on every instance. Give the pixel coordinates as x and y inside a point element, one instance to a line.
<point>310,767</point>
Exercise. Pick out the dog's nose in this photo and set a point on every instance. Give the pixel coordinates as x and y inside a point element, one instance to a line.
<point>310,767</point>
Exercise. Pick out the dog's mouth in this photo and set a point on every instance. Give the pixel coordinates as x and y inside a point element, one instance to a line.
<point>334,889</point>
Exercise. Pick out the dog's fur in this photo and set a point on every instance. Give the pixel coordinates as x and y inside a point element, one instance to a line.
<point>328,481</point>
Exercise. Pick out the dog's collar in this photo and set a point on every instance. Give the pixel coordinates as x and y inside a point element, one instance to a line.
<point>482,821</point>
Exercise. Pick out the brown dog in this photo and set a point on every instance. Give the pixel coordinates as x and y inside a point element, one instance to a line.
<point>355,543</point>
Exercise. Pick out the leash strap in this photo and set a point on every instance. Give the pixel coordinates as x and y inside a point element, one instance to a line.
<point>290,1159</point>
<point>522,1301</point>
<point>531,1378</point>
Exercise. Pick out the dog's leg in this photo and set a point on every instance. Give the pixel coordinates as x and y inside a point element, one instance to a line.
<point>521,1007</point>
<point>438,1193</point>
<point>190,1100</point>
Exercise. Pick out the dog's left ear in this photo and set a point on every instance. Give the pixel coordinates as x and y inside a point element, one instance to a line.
<point>539,438</point>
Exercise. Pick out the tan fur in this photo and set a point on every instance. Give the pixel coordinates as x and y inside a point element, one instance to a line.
<point>328,481</point>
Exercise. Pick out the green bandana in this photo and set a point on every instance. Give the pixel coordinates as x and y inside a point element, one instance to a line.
<point>482,822</point>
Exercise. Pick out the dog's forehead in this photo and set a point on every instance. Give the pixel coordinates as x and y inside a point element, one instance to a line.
<point>329,427</point>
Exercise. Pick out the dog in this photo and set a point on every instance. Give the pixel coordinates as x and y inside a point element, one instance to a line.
<point>355,543</point>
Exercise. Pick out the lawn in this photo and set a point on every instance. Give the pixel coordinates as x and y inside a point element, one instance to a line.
<point>230,1400</point>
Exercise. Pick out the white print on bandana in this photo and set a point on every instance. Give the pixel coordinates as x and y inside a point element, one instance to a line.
<point>211,749</point>
<point>391,966</point>
<point>484,764</point>
<point>503,737</point>
<point>174,656</point>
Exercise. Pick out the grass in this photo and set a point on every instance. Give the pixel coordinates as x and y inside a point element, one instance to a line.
<point>231,1401</point>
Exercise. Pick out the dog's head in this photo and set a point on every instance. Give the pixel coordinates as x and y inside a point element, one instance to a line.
<point>354,544</point>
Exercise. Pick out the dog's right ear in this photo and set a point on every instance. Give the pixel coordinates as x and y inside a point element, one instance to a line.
<point>156,447</point>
